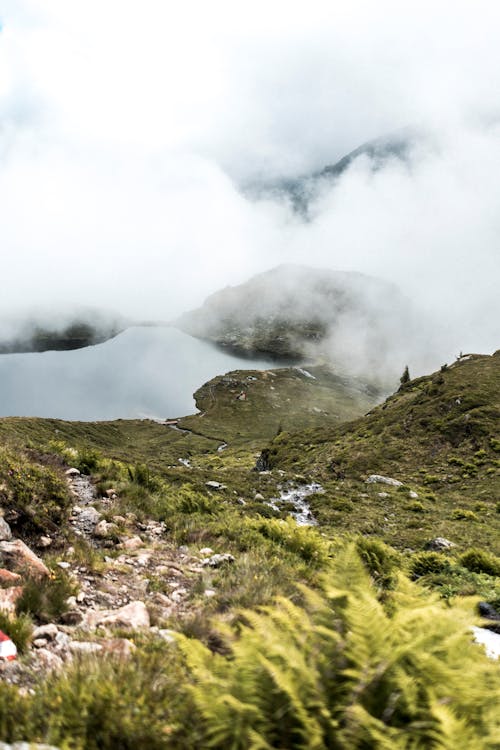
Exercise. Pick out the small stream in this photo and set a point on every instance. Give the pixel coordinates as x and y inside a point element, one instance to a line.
<point>296,496</point>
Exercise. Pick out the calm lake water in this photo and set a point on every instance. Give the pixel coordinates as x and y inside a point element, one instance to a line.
<point>143,372</point>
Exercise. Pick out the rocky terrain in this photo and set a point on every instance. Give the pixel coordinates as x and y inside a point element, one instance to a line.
<point>147,567</point>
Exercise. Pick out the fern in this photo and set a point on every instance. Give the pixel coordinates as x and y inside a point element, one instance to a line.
<point>348,670</point>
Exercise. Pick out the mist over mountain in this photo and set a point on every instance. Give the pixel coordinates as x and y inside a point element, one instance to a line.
<point>50,330</point>
<point>358,323</point>
<point>378,154</point>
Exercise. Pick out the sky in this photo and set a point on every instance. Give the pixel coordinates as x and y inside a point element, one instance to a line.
<point>129,130</point>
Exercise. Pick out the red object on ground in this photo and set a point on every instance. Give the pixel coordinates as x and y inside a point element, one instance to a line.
<point>8,648</point>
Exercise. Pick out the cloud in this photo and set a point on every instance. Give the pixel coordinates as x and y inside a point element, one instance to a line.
<point>127,131</point>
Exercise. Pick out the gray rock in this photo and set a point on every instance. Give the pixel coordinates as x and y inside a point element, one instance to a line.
<point>440,543</point>
<point>5,532</point>
<point>217,560</point>
<point>48,631</point>
<point>215,485</point>
<point>378,478</point>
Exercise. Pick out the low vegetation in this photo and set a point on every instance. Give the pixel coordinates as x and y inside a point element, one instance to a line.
<point>352,633</point>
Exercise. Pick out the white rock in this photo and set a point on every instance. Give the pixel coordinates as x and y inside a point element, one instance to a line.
<point>132,615</point>
<point>378,478</point>
<point>72,472</point>
<point>63,564</point>
<point>49,631</point>
<point>5,532</point>
<point>205,551</point>
<point>490,641</point>
<point>383,494</point>
<point>413,495</point>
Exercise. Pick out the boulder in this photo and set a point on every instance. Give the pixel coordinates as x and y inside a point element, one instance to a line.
<point>215,485</point>
<point>440,543</point>
<point>104,530</point>
<point>17,556</point>
<point>133,615</point>
<point>132,543</point>
<point>215,561</point>
<point>49,631</point>
<point>379,479</point>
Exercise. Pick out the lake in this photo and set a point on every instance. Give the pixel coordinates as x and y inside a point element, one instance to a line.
<point>142,373</point>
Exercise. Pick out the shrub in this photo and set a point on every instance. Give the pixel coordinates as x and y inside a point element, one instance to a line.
<point>462,514</point>
<point>303,540</point>
<point>425,563</point>
<point>344,672</point>
<point>480,561</point>
<point>46,600</point>
<point>416,507</point>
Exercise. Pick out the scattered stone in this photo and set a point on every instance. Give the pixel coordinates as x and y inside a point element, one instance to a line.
<point>9,597</point>
<point>440,543</point>
<point>88,518</point>
<point>133,543</point>
<point>209,593</point>
<point>72,472</point>
<point>40,642</point>
<point>215,485</point>
<point>63,564</point>
<point>378,478</point>
<point>204,551</point>
<point>104,530</point>
<point>112,493</point>
<point>259,496</point>
<point>44,541</point>
<point>48,632</point>
<point>215,561</point>
<point>17,555</point>
<point>383,494</point>
<point>5,532</point>
<point>413,495</point>
<point>488,611</point>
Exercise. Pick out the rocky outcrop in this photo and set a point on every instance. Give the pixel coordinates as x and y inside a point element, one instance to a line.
<point>17,556</point>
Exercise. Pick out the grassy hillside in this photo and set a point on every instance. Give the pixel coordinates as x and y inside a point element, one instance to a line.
<point>292,636</point>
<point>438,435</point>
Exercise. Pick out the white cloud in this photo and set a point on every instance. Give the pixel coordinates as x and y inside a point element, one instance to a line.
<point>126,127</point>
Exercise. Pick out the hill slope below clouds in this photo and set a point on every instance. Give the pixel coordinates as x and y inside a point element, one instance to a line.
<point>359,323</point>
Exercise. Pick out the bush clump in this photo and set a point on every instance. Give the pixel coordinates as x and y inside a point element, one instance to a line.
<point>428,563</point>
<point>480,561</point>
<point>46,600</point>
